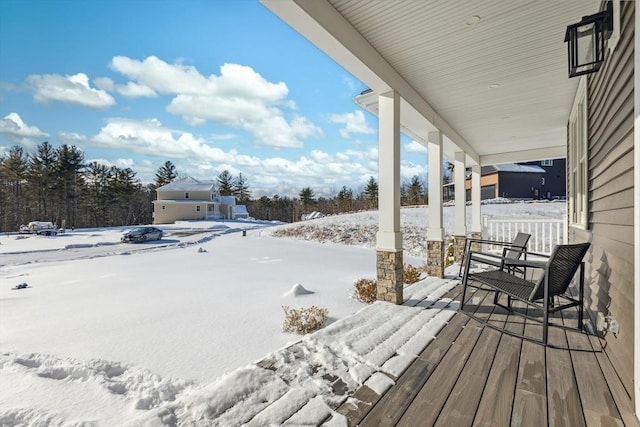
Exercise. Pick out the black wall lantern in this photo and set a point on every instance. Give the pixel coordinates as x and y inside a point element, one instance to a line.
<point>587,41</point>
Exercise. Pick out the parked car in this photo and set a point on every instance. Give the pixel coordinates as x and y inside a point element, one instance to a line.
<point>142,234</point>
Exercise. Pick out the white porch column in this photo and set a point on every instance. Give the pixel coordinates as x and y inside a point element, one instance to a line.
<point>435,230</point>
<point>389,238</point>
<point>460,228</point>
<point>476,196</point>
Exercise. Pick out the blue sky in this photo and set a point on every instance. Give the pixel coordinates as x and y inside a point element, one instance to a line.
<point>208,85</point>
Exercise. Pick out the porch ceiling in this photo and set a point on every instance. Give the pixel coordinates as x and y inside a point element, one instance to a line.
<point>490,74</point>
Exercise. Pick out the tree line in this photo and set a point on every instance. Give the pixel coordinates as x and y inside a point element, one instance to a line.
<point>56,184</point>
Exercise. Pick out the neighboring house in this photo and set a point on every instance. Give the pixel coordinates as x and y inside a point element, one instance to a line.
<point>554,185</point>
<point>191,199</point>
<point>511,181</point>
<point>545,179</point>
<point>486,83</point>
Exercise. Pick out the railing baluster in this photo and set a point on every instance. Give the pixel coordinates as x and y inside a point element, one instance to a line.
<point>545,233</point>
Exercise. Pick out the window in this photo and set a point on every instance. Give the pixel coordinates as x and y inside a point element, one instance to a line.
<point>547,163</point>
<point>197,208</point>
<point>578,157</point>
<point>186,195</point>
<point>542,183</point>
<point>163,207</point>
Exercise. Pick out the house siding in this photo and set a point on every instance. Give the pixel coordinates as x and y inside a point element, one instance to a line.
<point>515,185</point>
<point>179,195</point>
<point>609,264</point>
<point>181,211</point>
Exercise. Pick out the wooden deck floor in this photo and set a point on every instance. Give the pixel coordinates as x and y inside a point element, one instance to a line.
<point>472,374</point>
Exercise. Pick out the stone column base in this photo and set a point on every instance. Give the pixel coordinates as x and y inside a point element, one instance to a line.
<point>458,248</point>
<point>390,280</point>
<point>477,247</point>
<point>435,258</point>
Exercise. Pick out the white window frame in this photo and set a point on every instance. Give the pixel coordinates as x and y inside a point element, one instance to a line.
<point>578,158</point>
<point>197,208</point>
<point>186,195</point>
<point>546,163</point>
<point>542,183</point>
<point>615,34</point>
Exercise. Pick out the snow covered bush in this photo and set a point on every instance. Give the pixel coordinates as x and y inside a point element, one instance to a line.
<point>366,290</point>
<point>410,274</point>
<point>304,320</point>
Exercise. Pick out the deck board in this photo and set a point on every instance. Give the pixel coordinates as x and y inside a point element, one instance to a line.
<point>597,400</point>
<point>496,402</point>
<point>426,407</point>
<point>392,406</point>
<point>472,374</point>
<point>564,403</point>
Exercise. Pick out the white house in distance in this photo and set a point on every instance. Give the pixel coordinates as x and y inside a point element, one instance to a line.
<point>191,199</point>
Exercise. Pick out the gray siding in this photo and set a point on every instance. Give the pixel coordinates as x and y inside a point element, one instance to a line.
<point>609,270</point>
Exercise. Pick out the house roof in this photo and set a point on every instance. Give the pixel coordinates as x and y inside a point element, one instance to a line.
<point>188,184</point>
<point>508,167</point>
<point>491,75</point>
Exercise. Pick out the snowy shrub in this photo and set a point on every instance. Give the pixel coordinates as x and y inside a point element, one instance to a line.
<point>304,320</point>
<point>410,274</point>
<point>449,257</point>
<point>366,290</point>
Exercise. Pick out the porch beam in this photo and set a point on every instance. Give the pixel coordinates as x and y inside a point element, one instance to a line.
<point>556,152</point>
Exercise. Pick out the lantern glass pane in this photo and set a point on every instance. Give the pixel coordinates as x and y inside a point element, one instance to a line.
<point>586,44</point>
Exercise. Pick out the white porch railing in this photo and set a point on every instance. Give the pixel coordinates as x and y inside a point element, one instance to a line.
<point>545,233</point>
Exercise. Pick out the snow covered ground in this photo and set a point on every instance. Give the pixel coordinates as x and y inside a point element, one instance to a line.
<point>188,330</point>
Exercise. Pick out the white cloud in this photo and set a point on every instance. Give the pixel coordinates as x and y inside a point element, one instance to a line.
<point>193,156</point>
<point>68,89</point>
<point>18,132</point>
<point>354,123</point>
<point>135,90</point>
<point>415,147</point>
<point>239,97</point>
<point>104,83</point>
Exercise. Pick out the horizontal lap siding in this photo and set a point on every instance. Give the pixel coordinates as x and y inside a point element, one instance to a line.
<point>609,270</point>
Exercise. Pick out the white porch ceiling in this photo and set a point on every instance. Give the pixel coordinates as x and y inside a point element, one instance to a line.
<point>498,89</point>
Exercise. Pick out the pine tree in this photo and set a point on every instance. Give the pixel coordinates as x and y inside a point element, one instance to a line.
<point>414,191</point>
<point>42,176</point>
<point>165,174</point>
<point>225,183</point>
<point>69,164</point>
<point>97,179</point>
<point>307,197</point>
<point>345,199</point>
<point>371,193</point>
<point>13,172</point>
<point>241,188</point>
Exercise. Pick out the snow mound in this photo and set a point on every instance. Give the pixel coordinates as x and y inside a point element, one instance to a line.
<point>297,290</point>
